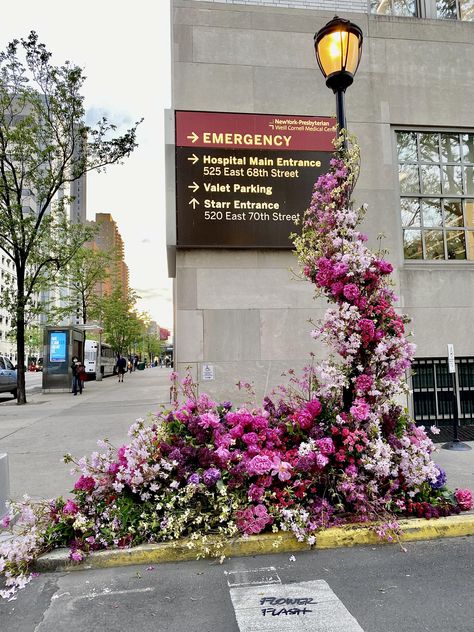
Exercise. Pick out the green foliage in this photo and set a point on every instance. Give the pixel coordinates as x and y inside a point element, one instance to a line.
<point>80,278</point>
<point>121,323</point>
<point>44,147</point>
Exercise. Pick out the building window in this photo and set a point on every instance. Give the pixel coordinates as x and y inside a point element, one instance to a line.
<point>404,8</point>
<point>440,9</point>
<point>433,391</point>
<point>436,175</point>
<point>455,10</point>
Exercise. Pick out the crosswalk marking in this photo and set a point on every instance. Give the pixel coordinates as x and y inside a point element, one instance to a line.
<point>310,606</point>
<point>252,577</point>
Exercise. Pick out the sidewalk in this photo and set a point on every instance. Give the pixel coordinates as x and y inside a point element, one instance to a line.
<point>36,436</point>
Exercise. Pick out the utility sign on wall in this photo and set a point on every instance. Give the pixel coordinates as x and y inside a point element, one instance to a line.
<point>243,180</point>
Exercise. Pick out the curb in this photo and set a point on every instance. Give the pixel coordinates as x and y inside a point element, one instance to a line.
<point>281,542</point>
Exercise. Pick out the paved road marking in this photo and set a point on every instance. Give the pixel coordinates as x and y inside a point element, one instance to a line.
<point>310,606</point>
<point>253,577</point>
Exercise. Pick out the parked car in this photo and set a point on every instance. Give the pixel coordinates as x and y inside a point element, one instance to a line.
<point>7,376</point>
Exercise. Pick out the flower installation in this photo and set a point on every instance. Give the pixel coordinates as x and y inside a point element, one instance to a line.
<point>331,447</point>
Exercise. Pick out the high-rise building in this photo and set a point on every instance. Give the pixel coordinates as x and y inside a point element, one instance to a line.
<point>7,274</point>
<point>108,239</point>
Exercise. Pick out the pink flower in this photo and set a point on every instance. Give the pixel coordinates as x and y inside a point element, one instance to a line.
<point>351,292</point>
<point>360,409</point>
<point>76,556</point>
<point>364,382</point>
<point>384,266</point>
<point>326,446</point>
<point>209,420</point>
<point>6,521</point>
<point>70,508</point>
<point>256,492</point>
<point>260,464</point>
<point>85,483</point>
<point>321,460</point>
<point>281,469</point>
<point>464,499</point>
<point>253,519</point>
<point>367,329</point>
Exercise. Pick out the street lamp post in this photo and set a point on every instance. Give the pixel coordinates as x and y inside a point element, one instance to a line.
<point>338,47</point>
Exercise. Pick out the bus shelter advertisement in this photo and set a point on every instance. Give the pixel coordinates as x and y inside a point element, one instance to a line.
<point>245,180</point>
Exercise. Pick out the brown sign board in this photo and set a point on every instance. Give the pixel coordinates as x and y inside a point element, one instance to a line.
<point>242,180</point>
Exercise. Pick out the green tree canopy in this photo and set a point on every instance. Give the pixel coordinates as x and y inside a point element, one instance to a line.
<point>44,147</point>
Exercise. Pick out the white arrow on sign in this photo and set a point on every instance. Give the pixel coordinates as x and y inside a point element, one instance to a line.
<point>193,203</point>
<point>194,186</point>
<point>193,137</point>
<point>194,159</point>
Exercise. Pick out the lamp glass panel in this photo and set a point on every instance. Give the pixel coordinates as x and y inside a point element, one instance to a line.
<point>338,50</point>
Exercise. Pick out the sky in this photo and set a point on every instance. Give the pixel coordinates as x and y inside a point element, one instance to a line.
<point>124,50</point>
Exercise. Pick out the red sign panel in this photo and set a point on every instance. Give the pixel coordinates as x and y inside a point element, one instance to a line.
<point>254,131</point>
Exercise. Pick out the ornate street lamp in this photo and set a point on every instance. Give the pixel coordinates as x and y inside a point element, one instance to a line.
<point>338,47</point>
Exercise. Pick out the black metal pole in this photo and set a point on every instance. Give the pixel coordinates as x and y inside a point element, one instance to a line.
<point>341,114</point>
<point>455,444</point>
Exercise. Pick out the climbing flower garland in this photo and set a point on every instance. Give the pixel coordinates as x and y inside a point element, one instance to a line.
<point>328,448</point>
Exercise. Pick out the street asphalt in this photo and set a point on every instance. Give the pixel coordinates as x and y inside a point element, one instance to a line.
<point>428,588</point>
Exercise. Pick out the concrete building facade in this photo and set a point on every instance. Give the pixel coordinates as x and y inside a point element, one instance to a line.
<point>243,311</point>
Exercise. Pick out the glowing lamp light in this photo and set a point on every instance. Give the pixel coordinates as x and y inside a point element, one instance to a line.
<point>338,47</point>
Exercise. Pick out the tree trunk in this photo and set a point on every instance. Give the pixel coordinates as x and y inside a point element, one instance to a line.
<point>20,335</point>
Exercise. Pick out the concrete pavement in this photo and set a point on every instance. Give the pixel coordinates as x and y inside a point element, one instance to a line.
<point>37,435</point>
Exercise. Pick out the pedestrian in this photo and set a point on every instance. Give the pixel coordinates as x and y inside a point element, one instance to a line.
<point>130,364</point>
<point>121,367</point>
<point>81,376</point>
<point>135,362</point>
<point>75,377</point>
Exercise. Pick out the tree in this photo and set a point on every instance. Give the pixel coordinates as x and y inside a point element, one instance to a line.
<point>121,323</point>
<point>44,147</point>
<point>80,278</point>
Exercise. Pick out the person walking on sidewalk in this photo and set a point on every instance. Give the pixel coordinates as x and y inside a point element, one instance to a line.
<point>121,367</point>
<point>75,374</point>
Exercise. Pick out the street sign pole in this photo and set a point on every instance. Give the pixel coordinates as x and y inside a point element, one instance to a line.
<point>455,444</point>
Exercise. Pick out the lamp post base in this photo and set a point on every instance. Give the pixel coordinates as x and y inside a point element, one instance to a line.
<point>457,446</point>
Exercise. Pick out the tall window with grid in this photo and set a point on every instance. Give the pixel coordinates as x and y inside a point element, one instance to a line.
<point>436,174</point>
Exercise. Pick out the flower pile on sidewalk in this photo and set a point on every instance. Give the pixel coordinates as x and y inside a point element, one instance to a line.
<point>330,447</point>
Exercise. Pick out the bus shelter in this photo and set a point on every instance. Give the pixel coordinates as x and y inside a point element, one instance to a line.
<point>61,345</point>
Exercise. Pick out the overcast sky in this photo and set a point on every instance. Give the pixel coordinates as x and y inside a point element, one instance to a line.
<point>124,49</point>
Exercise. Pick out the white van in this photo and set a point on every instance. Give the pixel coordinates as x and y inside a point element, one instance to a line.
<point>7,376</point>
